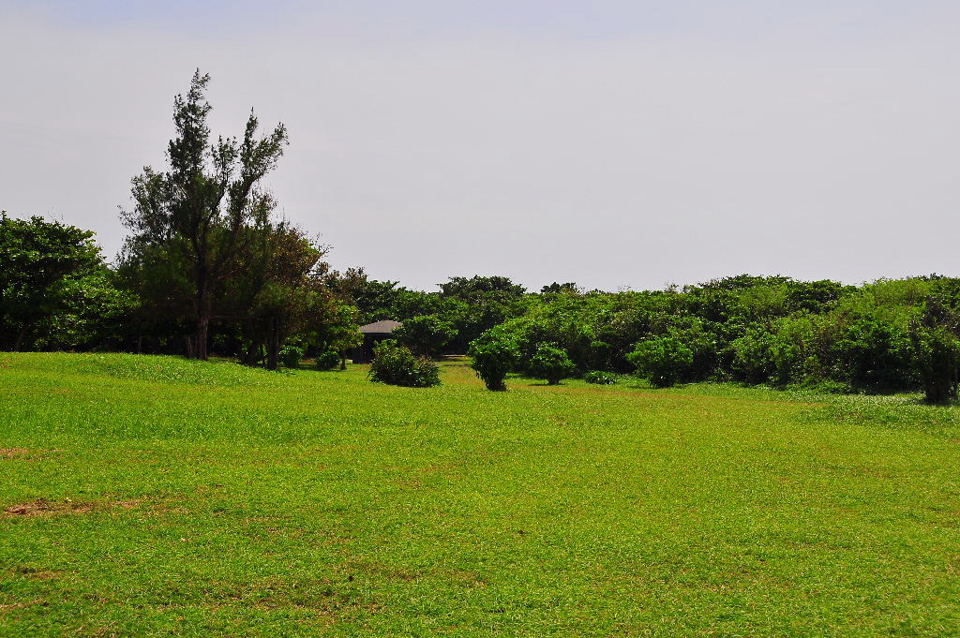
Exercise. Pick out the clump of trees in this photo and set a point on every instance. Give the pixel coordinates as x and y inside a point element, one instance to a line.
<point>206,210</point>
<point>886,336</point>
<point>207,265</point>
<point>207,253</point>
<point>56,291</point>
<point>426,335</point>
<point>210,267</point>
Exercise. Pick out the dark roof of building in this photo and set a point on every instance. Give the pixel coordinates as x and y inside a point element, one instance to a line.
<point>383,327</point>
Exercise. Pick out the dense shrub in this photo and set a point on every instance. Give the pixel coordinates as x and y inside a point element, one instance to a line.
<point>397,365</point>
<point>664,360</point>
<point>291,355</point>
<point>791,350</point>
<point>697,335</point>
<point>752,358</point>
<point>874,355</point>
<point>600,377</point>
<point>328,360</point>
<point>936,351</point>
<point>551,363</point>
<point>493,354</point>
<point>779,354</point>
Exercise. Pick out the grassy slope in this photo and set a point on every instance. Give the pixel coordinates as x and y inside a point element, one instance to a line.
<point>197,499</point>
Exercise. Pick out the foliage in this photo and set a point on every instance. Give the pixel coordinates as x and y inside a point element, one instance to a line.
<point>426,335</point>
<point>477,287</point>
<point>53,283</point>
<point>486,302</point>
<point>752,357</point>
<point>95,314</point>
<point>556,288</point>
<point>275,288</point>
<point>395,364</point>
<point>936,350</point>
<point>493,355</point>
<point>282,292</point>
<point>551,363</point>
<point>664,360</point>
<point>291,355</point>
<point>327,359</point>
<point>599,377</point>
<point>201,210</point>
<point>873,355</point>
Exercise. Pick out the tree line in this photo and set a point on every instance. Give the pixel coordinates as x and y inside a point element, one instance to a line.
<point>208,268</point>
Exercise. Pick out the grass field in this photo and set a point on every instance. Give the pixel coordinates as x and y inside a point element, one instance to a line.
<point>156,496</point>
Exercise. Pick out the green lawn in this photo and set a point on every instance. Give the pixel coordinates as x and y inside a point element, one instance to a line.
<point>156,496</point>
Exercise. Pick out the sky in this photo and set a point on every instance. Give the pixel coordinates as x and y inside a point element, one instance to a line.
<point>616,144</point>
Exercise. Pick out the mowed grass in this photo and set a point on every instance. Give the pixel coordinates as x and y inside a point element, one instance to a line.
<point>157,496</point>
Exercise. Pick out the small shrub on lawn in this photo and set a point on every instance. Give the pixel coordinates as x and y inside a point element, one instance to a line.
<point>551,363</point>
<point>664,360</point>
<point>328,360</point>
<point>493,355</point>
<point>290,356</point>
<point>397,365</point>
<point>599,377</point>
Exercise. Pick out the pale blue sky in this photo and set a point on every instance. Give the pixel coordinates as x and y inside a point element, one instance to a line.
<point>613,143</point>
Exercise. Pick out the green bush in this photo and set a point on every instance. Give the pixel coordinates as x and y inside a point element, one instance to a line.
<point>664,360</point>
<point>752,356</point>
<point>397,365</point>
<point>599,377</point>
<point>874,355</point>
<point>551,363</point>
<point>936,351</point>
<point>291,355</point>
<point>328,360</point>
<point>696,335</point>
<point>493,354</point>
<point>792,352</point>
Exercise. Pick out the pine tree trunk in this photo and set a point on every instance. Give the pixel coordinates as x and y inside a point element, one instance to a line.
<point>201,338</point>
<point>273,346</point>
<point>203,309</point>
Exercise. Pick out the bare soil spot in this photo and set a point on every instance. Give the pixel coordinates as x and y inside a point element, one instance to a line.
<point>10,453</point>
<point>43,507</point>
<point>14,452</point>
<point>37,574</point>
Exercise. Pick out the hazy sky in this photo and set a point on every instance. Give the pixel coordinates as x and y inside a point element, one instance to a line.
<point>612,143</point>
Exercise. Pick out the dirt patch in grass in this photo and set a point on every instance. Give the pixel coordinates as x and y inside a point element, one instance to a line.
<point>14,453</point>
<point>43,507</point>
<point>10,453</point>
<point>37,574</point>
